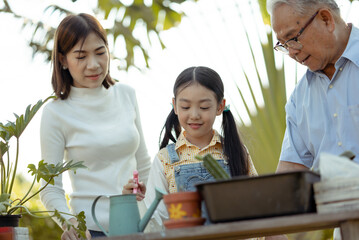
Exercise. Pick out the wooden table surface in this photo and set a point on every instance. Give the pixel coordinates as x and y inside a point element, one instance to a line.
<point>348,221</point>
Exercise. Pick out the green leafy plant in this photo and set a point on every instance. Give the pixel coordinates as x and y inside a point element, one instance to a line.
<point>45,171</point>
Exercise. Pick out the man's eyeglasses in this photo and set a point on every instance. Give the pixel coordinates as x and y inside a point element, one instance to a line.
<point>293,42</point>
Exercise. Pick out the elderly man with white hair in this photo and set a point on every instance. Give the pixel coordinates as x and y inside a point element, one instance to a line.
<point>322,113</point>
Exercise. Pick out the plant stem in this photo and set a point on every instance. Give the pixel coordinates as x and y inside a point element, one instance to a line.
<point>28,192</point>
<point>15,167</point>
<point>8,163</point>
<point>3,176</point>
<point>13,209</point>
<point>8,169</point>
<point>38,191</point>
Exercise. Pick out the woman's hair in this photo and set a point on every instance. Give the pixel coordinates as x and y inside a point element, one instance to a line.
<point>303,7</point>
<point>72,29</point>
<point>233,148</point>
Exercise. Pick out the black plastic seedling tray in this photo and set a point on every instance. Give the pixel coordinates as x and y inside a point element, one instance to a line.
<point>261,196</point>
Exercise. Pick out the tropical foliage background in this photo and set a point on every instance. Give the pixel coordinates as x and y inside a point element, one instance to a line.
<point>262,134</point>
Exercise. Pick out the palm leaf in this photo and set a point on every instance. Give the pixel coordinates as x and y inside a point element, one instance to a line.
<point>263,135</point>
<point>159,16</point>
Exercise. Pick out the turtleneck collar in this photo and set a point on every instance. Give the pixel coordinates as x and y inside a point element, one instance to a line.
<point>87,93</point>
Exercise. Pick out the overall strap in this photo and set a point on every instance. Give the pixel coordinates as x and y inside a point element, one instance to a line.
<point>171,148</point>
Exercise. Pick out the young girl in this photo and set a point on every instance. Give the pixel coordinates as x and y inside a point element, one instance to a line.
<point>198,100</point>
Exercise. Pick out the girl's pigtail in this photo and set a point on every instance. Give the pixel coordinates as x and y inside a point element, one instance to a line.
<point>233,148</point>
<point>172,123</point>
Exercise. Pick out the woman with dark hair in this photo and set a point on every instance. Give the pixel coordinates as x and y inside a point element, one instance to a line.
<point>92,120</point>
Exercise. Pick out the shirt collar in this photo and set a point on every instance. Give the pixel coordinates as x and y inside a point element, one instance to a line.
<point>352,48</point>
<point>181,141</point>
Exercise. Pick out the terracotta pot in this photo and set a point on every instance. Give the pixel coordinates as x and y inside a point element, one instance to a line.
<point>183,205</point>
<point>9,220</point>
<point>184,222</point>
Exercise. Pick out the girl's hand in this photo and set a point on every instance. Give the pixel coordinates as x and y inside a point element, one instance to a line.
<point>128,189</point>
<point>72,234</point>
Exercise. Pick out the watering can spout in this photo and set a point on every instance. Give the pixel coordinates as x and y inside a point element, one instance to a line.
<point>144,221</point>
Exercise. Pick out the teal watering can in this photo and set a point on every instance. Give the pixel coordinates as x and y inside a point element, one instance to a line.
<point>124,214</point>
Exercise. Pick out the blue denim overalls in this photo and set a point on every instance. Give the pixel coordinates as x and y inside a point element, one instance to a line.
<point>186,176</point>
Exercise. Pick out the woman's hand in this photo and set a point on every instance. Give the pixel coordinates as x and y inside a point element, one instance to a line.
<point>128,189</point>
<point>71,234</point>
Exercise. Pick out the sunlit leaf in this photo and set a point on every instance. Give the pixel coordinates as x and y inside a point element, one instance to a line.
<point>171,20</point>
<point>80,229</point>
<point>17,128</point>
<point>3,148</point>
<point>137,10</point>
<point>49,171</point>
<point>263,9</point>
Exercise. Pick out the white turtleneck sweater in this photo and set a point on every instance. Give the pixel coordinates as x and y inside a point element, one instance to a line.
<point>102,128</point>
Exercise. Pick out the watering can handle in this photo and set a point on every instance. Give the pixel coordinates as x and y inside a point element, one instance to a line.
<point>94,216</point>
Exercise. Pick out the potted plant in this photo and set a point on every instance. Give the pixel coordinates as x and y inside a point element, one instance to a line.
<point>11,209</point>
<point>184,209</point>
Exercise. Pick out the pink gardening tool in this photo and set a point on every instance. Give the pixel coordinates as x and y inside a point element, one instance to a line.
<point>135,178</point>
